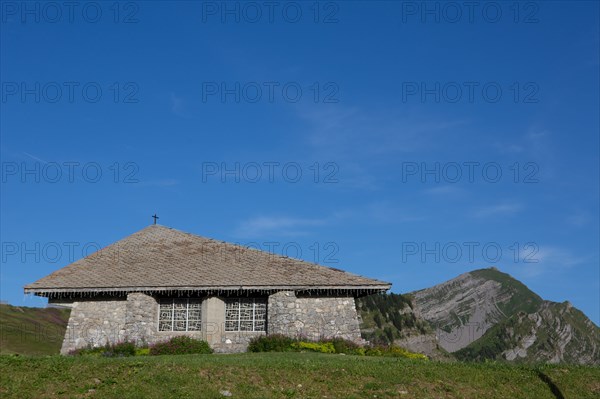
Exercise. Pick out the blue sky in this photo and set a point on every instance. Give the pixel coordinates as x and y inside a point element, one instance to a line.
<point>402,143</point>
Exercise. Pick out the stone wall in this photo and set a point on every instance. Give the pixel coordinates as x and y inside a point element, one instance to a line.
<point>141,321</point>
<point>95,322</point>
<point>313,317</point>
<point>141,317</point>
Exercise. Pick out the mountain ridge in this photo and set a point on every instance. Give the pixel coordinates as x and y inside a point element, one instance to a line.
<point>462,309</point>
<point>486,314</point>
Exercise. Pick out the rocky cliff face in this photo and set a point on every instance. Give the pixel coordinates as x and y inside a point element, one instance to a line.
<point>563,333</point>
<point>461,310</point>
<point>487,314</point>
<point>555,333</point>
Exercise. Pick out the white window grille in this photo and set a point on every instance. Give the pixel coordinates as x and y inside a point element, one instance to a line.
<point>245,314</point>
<point>180,314</point>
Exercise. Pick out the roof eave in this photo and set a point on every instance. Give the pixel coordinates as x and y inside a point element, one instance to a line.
<point>83,290</point>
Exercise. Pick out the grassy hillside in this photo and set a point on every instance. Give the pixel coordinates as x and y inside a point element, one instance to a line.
<point>522,298</point>
<point>284,375</point>
<point>32,331</point>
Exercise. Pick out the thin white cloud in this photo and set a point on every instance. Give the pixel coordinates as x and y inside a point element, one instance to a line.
<point>509,148</point>
<point>268,226</point>
<point>579,219</point>
<point>387,212</point>
<point>446,190</point>
<point>350,133</point>
<point>366,142</point>
<point>535,144</point>
<point>506,209</point>
<point>378,212</point>
<point>538,261</point>
<point>559,256</point>
<point>34,157</point>
<point>355,175</point>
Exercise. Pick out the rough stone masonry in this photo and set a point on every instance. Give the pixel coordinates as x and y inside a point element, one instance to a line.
<point>95,323</point>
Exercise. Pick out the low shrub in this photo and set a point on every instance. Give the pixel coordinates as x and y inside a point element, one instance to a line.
<point>271,343</point>
<point>323,347</point>
<point>282,343</point>
<point>88,351</point>
<point>345,346</point>
<point>142,351</point>
<point>397,351</point>
<point>119,349</point>
<point>374,351</point>
<point>122,349</point>
<point>360,351</point>
<point>180,346</point>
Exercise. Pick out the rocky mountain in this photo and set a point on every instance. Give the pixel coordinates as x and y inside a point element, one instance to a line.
<point>486,314</point>
<point>461,310</point>
<point>555,333</point>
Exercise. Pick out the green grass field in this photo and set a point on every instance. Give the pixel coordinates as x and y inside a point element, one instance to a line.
<point>32,331</point>
<point>285,375</point>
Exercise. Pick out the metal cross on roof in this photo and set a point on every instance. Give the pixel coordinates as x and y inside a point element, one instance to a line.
<point>155,217</point>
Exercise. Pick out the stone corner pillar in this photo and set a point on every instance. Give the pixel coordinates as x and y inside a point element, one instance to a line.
<point>281,313</point>
<point>213,319</point>
<point>141,318</point>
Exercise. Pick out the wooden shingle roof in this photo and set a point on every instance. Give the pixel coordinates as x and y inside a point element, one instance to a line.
<point>159,258</point>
